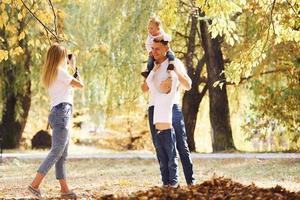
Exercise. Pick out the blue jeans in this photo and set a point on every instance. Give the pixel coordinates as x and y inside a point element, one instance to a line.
<point>59,119</point>
<point>150,64</point>
<point>166,153</point>
<point>181,140</point>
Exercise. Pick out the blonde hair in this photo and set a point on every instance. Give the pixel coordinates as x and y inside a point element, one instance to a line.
<point>155,20</point>
<point>55,55</point>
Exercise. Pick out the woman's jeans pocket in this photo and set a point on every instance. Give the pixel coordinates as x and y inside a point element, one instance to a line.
<point>60,115</point>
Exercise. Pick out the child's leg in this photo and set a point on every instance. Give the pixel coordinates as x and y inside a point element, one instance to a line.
<point>168,140</point>
<point>170,55</point>
<point>150,63</point>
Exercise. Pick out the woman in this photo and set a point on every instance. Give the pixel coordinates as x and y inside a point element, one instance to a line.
<point>60,84</point>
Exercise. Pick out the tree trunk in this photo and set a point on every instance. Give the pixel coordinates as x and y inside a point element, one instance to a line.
<point>192,98</point>
<point>190,106</point>
<point>218,101</point>
<point>16,97</point>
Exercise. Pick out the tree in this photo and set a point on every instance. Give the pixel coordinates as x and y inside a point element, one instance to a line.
<point>212,57</point>
<point>233,28</point>
<point>256,32</point>
<point>192,98</point>
<point>15,67</point>
<point>218,100</point>
<point>271,67</point>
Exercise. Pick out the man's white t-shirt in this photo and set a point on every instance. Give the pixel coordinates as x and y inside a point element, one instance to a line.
<point>163,103</point>
<point>162,74</point>
<point>60,91</point>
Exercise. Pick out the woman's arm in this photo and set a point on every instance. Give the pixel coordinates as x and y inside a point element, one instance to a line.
<point>76,81</point>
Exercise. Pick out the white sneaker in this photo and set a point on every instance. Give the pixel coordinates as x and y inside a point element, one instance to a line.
<point>174,186</point>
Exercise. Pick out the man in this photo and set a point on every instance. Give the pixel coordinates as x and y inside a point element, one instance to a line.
<point>159,50</point>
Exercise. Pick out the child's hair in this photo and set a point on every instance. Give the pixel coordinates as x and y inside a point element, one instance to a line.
<point>155,20</point>
<point>55,55</point>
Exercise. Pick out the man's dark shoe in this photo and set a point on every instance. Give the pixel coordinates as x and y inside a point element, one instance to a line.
<point>145,74</point>
<point>170,67</point>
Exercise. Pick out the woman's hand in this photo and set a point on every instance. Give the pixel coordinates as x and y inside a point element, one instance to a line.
<point>72,62</point>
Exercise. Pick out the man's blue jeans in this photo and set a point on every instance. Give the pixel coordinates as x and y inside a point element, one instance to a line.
<point>166,154</point>
<point>181,140</point>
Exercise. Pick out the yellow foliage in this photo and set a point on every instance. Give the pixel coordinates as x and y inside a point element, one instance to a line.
<point>221,12</point>
<point>17,51</point>
<point>168,14</point>
<point>18,3</point>
<point>21,36</point>
<point>2,7</point>
<point>6,1</point>
<point>24,12</point>
<point>102,48</point>
<point>37,42</point>
<point>43,16</point>
<point>20,16</point>
<point>11,28</point>
<point>3,19</point>
<point>12,40</point>
<point>31,43</point>
<point>3,55</point>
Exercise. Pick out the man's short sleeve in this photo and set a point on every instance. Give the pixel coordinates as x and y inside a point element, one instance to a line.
<point>179,65</point>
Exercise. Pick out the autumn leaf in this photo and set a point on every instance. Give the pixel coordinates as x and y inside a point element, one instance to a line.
<point>3,55</point>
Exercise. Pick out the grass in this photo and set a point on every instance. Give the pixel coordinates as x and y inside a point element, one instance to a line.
<point>96,177</point>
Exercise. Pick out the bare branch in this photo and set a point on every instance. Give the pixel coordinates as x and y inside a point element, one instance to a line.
<point>185,3</point>
<point>203,79</point>
<point>245,79</point>
<point>236,15</point>
<point>54,20</point>
<point>45,27</point>
<point>293,8</point>
<point>227,60</point>
<point>270,22</point>
<point>200,65</point>
<point>202,93</point>
<point>180,52</point>
<point>181,34</point>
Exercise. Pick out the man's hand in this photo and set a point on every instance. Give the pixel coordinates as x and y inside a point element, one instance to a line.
<point>144,86</point>
<point>166,85</point>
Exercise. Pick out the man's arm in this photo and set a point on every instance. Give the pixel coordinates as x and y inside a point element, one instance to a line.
<point>184,80</point>
<point>144,86</point>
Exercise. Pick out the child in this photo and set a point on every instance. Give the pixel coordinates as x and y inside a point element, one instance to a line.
<point>59,84</point>
<point>155,30</point>
<point>165,137</point>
